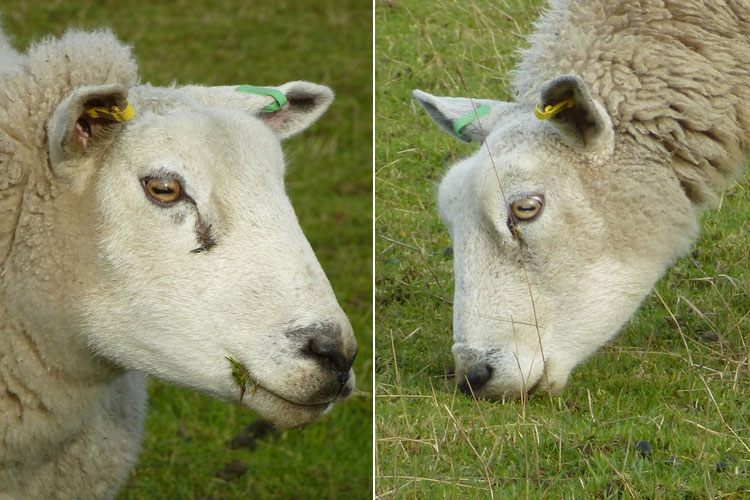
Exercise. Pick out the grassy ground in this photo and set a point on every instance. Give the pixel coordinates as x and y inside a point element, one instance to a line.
<point>330,182</point>
<point>677,377</point>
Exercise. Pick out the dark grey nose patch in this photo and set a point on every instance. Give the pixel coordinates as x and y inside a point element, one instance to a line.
<point>324,343</point>
<point>475,379</point>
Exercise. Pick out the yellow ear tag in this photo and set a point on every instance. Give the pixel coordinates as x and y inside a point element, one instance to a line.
<point>114,113</point>
<point>552,110</point>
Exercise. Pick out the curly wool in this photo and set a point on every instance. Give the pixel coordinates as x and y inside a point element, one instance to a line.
<point>42,407</point>
<point>33,86</point>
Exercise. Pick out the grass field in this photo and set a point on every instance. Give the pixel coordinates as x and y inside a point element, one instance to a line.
<point>329,179</point>
<point>677,377</point>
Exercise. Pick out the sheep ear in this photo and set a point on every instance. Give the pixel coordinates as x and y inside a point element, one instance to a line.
<point>306,102</point>
<point>77,127</point>
<point>287,110</point>
<point>582,123</point>
<point>462,117</point>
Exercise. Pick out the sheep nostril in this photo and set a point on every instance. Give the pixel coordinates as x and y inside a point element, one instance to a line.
<point>330,355</point>
<point>475,379</point>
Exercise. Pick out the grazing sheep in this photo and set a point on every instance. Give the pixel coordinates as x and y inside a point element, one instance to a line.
<point>630,118</point>
<point>160,243</point>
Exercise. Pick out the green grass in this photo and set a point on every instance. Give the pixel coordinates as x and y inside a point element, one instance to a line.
<point>329,179</point>
<point>665,379</point>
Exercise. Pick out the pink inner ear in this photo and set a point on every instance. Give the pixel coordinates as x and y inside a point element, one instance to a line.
<point>278,118</point>
<point>87,129</point>
<point>83,133</point>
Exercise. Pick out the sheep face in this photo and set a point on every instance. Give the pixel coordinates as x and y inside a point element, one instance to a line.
<point>203,276</point>
<point>556,241</point>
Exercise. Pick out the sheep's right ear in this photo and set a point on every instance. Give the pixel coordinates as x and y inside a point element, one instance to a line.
<point>75,129</point>
<point>462,117</point>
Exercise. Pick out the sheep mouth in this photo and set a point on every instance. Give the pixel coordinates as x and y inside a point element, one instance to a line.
<point>251,389</point>
<point>312,406</point>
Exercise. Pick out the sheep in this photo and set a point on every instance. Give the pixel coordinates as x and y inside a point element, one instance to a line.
<point>146,231</point>
<point>630,118</point>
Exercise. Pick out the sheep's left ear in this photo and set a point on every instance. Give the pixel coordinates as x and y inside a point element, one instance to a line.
<point>287,110</point>
<point>580,120</point>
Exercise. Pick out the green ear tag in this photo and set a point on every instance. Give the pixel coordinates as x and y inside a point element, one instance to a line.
<point>278,96</point>
<point>461,123</point>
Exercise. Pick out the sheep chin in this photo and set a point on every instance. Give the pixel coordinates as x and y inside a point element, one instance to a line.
<point>281,412</point>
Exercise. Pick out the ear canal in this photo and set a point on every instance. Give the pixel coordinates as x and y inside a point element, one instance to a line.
<point>89,117</point>
<point>581,121</point>
<point>95,121</point>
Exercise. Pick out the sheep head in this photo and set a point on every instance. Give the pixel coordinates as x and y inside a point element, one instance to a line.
<point>558,230</point>
<point>170,246</point>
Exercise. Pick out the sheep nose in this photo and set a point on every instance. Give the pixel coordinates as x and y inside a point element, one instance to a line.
<point>331,355</point>
<point>475,378</point>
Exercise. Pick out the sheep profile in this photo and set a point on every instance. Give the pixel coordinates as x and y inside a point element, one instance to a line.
<point>146,230</point>
<point>629,118</point>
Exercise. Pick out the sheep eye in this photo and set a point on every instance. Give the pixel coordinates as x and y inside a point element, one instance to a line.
<point>527,209</point>
<point>162,190</point>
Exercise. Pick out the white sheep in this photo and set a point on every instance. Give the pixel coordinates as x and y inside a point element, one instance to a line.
<point>160,244</point>
<point>630,117</point>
